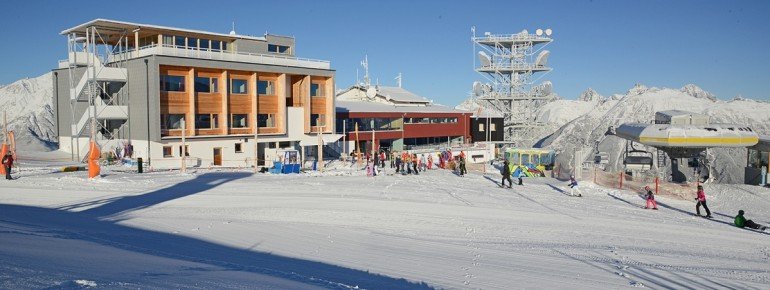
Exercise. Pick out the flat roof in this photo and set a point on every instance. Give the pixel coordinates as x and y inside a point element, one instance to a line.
<point>130,26</point>
<point>374,107</point>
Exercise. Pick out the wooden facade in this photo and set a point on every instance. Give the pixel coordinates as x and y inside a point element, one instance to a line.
<point>287,90</point>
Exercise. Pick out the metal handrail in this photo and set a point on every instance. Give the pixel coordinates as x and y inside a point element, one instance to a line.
<point>218,51</point>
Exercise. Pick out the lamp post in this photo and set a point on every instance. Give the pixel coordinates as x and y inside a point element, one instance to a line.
<point>403,129</point>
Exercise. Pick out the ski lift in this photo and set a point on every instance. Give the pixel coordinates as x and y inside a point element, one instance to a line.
<point>637,160</point>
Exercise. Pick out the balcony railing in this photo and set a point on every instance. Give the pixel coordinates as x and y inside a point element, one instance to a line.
<point>214,54</point>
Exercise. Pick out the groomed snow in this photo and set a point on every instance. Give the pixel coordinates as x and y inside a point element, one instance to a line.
<point>233,229</point>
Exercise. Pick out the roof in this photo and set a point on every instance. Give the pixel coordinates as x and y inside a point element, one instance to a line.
<point>130,26</point>
<point>374,107</point>
<point>399,94</point>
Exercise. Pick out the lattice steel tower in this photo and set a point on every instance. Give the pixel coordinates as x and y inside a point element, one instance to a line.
<point>509,63</point>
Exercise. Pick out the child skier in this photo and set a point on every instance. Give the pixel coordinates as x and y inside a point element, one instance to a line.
<point>573,185</point>
<point>741,222</point>
<point>701,200</point>
<point>650,199</point>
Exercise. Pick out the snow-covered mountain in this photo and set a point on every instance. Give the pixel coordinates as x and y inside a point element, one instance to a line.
<point>28,104</point>
<point>577,124</point>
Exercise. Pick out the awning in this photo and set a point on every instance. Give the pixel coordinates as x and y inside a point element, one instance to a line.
<point>312,140</point>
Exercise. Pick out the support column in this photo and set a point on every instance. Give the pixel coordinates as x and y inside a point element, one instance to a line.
<point>224,94</point>
<point>136,40</point>
<point>190,89</point>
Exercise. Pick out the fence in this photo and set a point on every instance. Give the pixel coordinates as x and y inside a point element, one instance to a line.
<point>621,180</point>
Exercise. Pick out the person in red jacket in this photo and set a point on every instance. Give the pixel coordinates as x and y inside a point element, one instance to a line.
<point>701,199</point>
<point>8,164</point>
<point>650,199</point>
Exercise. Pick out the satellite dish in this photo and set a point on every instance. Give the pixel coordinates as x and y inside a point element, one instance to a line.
<point>548,32</point>
<point>542,58</point>
<point>371,92</point>
<point>485,59</point>
<point>477,89</point>
<point>524,32</point>
<point>539,32</point>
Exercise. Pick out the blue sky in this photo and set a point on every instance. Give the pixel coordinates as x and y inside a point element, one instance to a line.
<point>722,46</point>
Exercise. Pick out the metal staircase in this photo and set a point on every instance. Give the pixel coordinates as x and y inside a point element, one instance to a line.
<point>100,85</point>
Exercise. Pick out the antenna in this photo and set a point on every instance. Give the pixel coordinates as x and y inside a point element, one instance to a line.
<point>232,32</point>
<point>365,64</point>
<point>398,79</point>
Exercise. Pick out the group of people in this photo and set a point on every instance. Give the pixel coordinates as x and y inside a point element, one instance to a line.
<point>413,163</point>
<point>700,201</point>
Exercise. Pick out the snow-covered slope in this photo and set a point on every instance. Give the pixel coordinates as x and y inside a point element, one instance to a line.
<point>28,105</point>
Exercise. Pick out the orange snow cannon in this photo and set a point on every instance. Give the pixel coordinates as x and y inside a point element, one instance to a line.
<point>93,160</point>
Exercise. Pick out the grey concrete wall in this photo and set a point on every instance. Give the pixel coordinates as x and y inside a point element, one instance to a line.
<point>281,40</point>
<point>63,109</point>
<point>143,79</point>
<point>250,46</point>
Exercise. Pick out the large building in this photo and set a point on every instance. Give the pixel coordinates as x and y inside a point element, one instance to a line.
<point>399,120</point>
<point>135,83</point>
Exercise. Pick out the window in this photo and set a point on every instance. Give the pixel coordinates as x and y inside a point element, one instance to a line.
<point>238,148</point>
<point>316,90</point>
<point>206,85</point>
<point>167,152</point>
<point>238,86</point>
<point>168,40</point>
<point>206,121</point>
<point>204,44</point>
<point>216,45</point>
<point>266,120</point>
<point>192,42</point>
<point>179,41</point>
<point>492,127</point>
<point>481,127</point>
<point>239,121</point>
<point>186,150</point>
<point>171,121</point>
<point>284,144</point>
<point>318,120</point>
<point>265,88</point>
<point>172,83</point>
<point>277,48</point>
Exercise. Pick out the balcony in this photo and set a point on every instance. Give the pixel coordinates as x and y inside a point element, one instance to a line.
<point>223,55</point>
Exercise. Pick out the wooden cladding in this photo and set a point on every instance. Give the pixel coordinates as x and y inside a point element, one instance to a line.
<point>283,91</point>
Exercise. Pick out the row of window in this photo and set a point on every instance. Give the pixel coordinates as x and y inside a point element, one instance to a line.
<point>194,43</point>
<point>492,127</point>
<point>430,120</point>
<point>168,151</point>
<point>170,83</point>
<point>367,124</point>
<point>274,48</point>
<point>211,121</point>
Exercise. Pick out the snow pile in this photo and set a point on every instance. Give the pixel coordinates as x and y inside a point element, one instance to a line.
<point>28,104</point>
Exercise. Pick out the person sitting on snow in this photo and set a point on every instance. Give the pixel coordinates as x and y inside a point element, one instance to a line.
<point>741,222</point>
<point>650,199</point>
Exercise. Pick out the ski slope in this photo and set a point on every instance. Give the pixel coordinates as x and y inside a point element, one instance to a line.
<point>233,229</point>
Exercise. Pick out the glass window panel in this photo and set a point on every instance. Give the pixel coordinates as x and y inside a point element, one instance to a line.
<point>239,86</point>
<point>216,45</point>
<point>265,88</point>
<point>204,44</point>
<point>266,120</point>
<point>179,41</point>
<point>192,42</point>
<point>168,40</point>
<point>172,83</point>
<point>239,121</point>
<point>174,121</point>
<point>316,90</point>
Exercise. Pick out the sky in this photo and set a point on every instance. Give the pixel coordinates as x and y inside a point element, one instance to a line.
<point>721,46</point>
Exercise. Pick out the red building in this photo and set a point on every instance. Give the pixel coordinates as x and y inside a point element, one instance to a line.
<point>399,120</point>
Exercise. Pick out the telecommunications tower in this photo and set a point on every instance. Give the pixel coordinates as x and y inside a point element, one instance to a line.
<point>510,63</point>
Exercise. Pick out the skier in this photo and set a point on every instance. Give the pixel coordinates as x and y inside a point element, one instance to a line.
<point>463,170</point>
<point>741,222</point>
<point>650,199</point>
<point>701,199</point>
<point>382,159</point>
<point>423,162</point>
<point>573,185</point>
<point>414,163</point>
<point>521,180</point>
<point>506,171</point>
<point>8,164</point>
<point>408,163</point>
<point>398,162</point>
<point>392,159</point>
<point>430,161</point>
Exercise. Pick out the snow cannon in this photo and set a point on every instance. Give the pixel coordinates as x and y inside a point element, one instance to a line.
<point>93,160</point>
<point>3,151</point>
